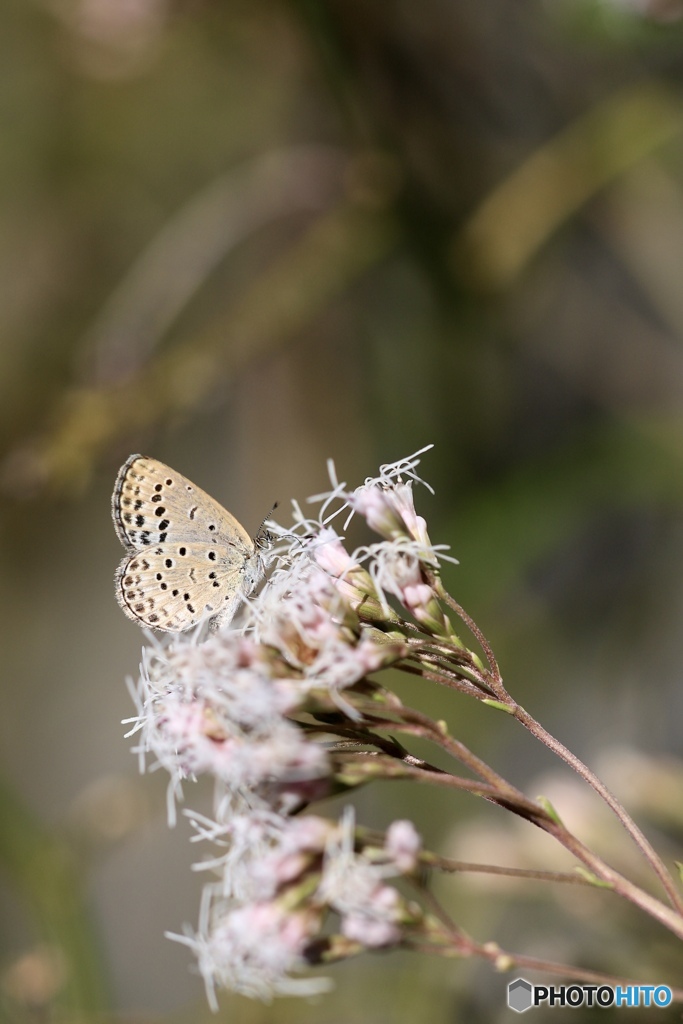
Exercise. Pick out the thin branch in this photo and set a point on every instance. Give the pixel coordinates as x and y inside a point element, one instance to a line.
<point>456,866</point>
<point>505,960</point>
<point>656,863</point>
<point>452,682</point>
<point>471,625</point>
<point>524,808</point>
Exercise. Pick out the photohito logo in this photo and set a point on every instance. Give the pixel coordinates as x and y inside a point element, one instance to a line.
<point>522,995</point>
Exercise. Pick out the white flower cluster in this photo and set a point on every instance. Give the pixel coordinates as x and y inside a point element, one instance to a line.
<point>279,879</point>
<point>259,709</point>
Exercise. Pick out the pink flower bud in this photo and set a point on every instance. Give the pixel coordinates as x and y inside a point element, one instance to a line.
<point>403,845</point>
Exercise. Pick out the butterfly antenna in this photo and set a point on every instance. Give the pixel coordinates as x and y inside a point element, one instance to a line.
<point>263,537</point>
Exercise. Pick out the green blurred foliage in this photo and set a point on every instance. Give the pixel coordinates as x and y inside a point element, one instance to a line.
<point>246,237</point>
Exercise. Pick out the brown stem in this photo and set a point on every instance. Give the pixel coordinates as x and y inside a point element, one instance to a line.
<point>666,916</point>
<point>430,730</point>
<point>497,790</point>
<point>452,682</point>
<point>471,625</point>
<point>379,765</point>
<point>490,951</point>
<point>464,667</point>
<point>448,865</point>
<point>429,899</point>
<point>537,730</point>
<point>460,656</point>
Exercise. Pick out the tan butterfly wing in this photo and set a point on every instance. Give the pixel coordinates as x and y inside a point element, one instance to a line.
<point>188,559</point>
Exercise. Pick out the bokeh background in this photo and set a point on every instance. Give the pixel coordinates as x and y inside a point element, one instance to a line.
<point>246,237</point>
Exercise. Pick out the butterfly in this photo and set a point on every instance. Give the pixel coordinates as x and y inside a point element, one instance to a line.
<point>187,558</point>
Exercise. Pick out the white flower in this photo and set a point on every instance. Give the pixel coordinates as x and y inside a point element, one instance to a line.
<point>299,846</point>
<point>212,709</point>
<point>376,923</point>
<point>330,554</point>
<point>390,511</point>
<point>248,838</point>
<point>353,582</point>
<point>390,472</point>
<point>253,950</point>
<point>386,502</point>
<point>354,886</point>
<point>403,845</point>
<point>316,632</point>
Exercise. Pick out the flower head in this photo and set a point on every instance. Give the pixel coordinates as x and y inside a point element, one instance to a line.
<point>254,949</point>
<point>213,708</point>
<point>372,912</point>
<point>265,710</point>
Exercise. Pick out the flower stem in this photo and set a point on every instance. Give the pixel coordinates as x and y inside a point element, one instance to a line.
<point>457,866</point>
<point>666,916</point>
<point>537,730</point>
<point>471,625</point>
<point>558,748</point>
<point>415,722</point>
<point>457,945</point>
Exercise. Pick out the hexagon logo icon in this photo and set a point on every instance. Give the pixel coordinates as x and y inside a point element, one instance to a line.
<point>519,995</point>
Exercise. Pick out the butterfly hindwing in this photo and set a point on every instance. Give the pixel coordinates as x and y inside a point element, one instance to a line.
<point>173,586</point>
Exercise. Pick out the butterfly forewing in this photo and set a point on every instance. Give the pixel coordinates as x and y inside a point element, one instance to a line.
<point>153,503</point>
<point>188,557</point>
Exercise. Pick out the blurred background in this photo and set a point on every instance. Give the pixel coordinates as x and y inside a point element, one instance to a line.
<point>247,237</point>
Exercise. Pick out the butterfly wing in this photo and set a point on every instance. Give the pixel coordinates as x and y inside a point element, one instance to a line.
<point>173,586</point>
<point>188,558</point>
<point>153,503</point>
